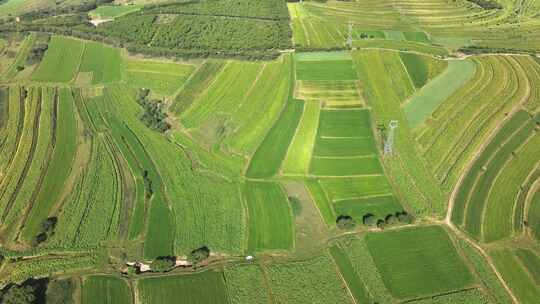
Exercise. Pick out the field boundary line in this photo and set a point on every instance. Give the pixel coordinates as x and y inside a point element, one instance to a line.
<point>486,257</point>
<point>362,197</point>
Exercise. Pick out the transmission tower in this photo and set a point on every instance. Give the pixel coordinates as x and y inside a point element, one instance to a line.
<point>389,142</point>
<point>350,34</point>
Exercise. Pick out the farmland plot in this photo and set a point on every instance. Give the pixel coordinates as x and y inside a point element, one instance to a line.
<point>105,289</point>
<point>270,217</point>
<point>422,69</point>
<point>406,169</point>
<point>199,288</point>
<point>311,281</point>
<point>238,277</point>
<point>241,104</point>
<point>217,200</point>
<point>516,275</point>
<point>458,127</point>
<point>268,158</point>
<point>103,62</point>
<point>433,264</point>
<point>162,78</point>
<point>61,61</point>
<point>63,153</point>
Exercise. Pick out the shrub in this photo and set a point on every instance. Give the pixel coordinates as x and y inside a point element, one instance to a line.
<point>369,219</point>
<point>345,222</point>
<point>163,264</point>
<point>198,255</point>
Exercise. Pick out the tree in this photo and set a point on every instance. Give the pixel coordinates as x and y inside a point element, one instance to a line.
<point>404,217</point>
<point>60,291</point>
<point>345,222</point>
<point>198,255</point>
<point>380,224</point>
<point>18,295</point>
<point>163,264</point>
<point>369,219</point>
<point>390,219</point>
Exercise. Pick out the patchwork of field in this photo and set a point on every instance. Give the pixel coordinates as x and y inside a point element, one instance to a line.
<point>435,266</point>
<point>432,27</point>
<point>275,165</point>
<point>387,84</point>
<point>203,287</point>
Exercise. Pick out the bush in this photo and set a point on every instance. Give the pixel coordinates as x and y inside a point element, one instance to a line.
<point>404,217</point>
<point>198,255</point>
<point>163,264</point>
<point>369,219</point>
<point>345,222</point>
<point>380,224</point>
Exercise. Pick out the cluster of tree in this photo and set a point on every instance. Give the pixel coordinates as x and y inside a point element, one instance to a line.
<point>56,10</point>
<point>167,263</point>
<point>198,33</point>
<point>260,9</point>
<point>46,229</point>
<point>346,222</point>
<point>199,255</point>
<point>28,292</point>
<point>400,217</point>
<point>487,4</point>
<point>163,264</point>
<point>36,53</point>
<point>187,37</point>
<point>472,50</point>
<point>153,116</point>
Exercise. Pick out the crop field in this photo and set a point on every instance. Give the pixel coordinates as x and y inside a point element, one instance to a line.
<point>311,281</point>
<point>267,159</point>
<point>105,289</point>
<point>422,105</point>
<point>434,264</point>
<point>102,61</point>
<point>264,151</point>
<point>516,275</point>
<point>61,61</point>
<point>422,69</point>
<point>270,217</point>
<point>240,276</point>
<point>534,211</point>
<point>355,285</point>
<point>113,11</point>
<point>161,78</point>
<point>241,104</point>
<point>499,84</point>
<point>407,168</point>
<point>482,215</point>
<point>204,287</point>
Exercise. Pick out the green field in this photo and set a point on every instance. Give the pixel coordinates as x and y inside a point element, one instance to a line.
<point>105,289</point>
<point>268,158</point>
<point>265,151</point>
<point>162,78</point>
<point>270,217</point>
<point>61,61</point>
<point>422,105</point>
<point>311,281</point>
<point>203,287</point>
<point>113,11</point>
<point>433,264</point>
<point>103,62</point>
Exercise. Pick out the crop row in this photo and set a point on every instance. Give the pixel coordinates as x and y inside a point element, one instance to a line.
<point>406,166</point>
<point>31,182</point>
<point>64,147</point>
<point>20,164</point>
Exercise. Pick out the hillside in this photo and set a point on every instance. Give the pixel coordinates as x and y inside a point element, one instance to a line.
<point>264,151</point>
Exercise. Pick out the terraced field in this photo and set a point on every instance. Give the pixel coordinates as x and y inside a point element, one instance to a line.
<point>259,151</point>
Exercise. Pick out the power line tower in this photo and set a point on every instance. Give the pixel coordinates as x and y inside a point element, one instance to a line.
<point>350,34</point>
<point>389,142</point>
